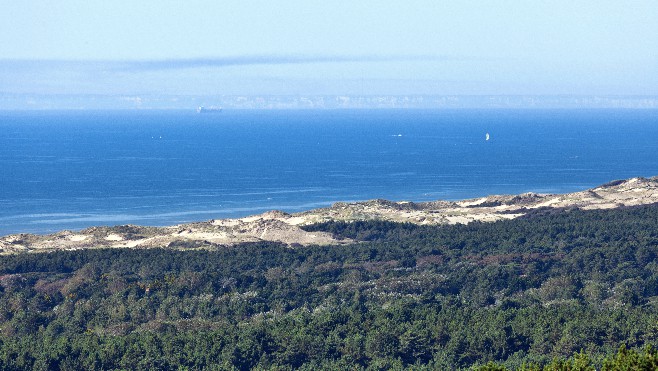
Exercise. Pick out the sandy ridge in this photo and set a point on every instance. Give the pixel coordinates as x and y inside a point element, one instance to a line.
<point>283,227</point>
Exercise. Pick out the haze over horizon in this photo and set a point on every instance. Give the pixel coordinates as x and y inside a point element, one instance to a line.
<point>206,48</point>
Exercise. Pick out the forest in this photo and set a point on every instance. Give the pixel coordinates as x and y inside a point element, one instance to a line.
<point>554,290</point>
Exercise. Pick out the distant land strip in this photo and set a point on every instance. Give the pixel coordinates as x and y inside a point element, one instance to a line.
<point>278,226</point>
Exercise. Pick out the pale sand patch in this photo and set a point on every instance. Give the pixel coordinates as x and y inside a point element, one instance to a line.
<point>472,203</point>
<point>457,219</point>
<point>296,220</point>
<point>113,237</point>
<point>133,243</point>
<point>208,236</point>
<point>602,206</point>
<point>550,202</point>
<point>226,222</point>
<point>495,217</point>
<point>77,237</point>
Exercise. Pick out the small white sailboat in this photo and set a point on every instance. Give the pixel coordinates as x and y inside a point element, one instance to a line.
<point>486,137</point>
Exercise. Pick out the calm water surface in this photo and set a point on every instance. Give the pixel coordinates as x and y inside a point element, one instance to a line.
<point>74,169</point>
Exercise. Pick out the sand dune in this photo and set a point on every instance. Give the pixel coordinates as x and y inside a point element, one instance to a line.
<point>285,228</point>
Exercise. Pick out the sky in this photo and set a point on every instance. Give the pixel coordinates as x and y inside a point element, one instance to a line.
<point>604,47</point>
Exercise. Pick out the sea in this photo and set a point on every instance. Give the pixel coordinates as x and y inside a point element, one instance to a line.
<point>74,169</point>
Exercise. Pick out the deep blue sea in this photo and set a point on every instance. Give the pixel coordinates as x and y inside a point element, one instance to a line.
<point>74,169</point>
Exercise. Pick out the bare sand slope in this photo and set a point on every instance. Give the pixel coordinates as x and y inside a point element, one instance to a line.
<point>283,227</point>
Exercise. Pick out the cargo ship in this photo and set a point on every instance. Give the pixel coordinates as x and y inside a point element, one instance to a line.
<point>211,109</point>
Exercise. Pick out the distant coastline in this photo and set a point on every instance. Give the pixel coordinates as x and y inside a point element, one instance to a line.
<point>16,101</point>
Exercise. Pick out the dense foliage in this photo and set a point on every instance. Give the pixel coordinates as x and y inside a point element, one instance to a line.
<point>526,293</point>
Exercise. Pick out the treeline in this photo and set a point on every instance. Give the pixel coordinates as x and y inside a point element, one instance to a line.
<point>531,291</point>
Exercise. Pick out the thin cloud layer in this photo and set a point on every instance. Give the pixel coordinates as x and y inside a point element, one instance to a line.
<point>247,60</point>
<point>168,64</point>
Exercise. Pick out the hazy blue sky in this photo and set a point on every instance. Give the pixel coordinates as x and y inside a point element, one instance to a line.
<point>329,47</point>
